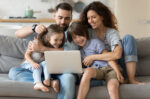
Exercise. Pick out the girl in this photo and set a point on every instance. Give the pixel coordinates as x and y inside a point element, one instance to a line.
<point>103,23</point>
<point>96,69</point>
<point>53,37</point>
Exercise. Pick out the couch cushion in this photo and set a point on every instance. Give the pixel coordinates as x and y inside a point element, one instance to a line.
<point>7,62</point>
<point>11,52</point>
<point>143,45</point>
<point>12,47</point>
<point>11,88</point>
<point>143,65</point>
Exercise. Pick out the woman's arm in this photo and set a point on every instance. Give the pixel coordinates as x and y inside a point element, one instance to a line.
<point>108,56</point>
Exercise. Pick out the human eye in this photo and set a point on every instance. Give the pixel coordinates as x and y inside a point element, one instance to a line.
<point>67,18</point>
<point>60,17</point>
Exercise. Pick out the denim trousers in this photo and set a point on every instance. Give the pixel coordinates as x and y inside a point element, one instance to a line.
<point>37,73</point>
<point>67,81</point>
<point>129,52</point>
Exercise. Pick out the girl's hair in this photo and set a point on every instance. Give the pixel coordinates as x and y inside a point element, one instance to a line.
<point>77,28</point>
<point>51,30</point>
<point>109,20</point>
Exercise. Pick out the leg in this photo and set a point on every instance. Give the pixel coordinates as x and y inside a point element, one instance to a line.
<point>131,69</point>
<point>55,85</point>
<point>20,74</point>
<point>113,88</point>
<point>38,81</point>
<point>84,86</point>
<point>67,86</point>
<point>46,74</point>
<point>130,53</point>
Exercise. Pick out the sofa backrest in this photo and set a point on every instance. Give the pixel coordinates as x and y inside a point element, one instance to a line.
<point>11,52</point>
<point>143,65</point>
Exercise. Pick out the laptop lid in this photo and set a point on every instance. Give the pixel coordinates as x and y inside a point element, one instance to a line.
<point>63,62</point>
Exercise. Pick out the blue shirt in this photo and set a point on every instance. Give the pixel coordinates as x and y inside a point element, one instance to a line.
<point>94,46</point>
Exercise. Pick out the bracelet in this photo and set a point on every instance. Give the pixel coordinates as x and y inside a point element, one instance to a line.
<point>33,27</point>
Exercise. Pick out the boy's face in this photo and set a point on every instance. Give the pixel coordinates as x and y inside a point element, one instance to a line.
<point>56,40</point>
<point>79,40</point>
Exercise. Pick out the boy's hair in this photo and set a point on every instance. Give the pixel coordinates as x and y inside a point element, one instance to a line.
<point>64,6</point>
<point>51,30</point>
<point>76,28</point>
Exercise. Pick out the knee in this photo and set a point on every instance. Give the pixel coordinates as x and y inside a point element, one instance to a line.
<point>128,38</point>
<point>112,84</point>
<point>43,63</point>
<point>13,72</point>
<point>70,78</point>
<point>89,73</point>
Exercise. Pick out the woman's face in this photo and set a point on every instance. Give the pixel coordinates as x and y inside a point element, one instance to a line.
<point>94,19</point>
<point>56,40</point>
<point>79,40</point>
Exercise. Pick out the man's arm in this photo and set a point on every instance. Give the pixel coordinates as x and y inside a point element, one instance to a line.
<point>37,46</point>
<point>24,32</point>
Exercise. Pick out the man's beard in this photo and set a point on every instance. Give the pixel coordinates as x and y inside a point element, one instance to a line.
<point>65,27</point>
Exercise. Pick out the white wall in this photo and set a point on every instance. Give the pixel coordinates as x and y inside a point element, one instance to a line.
<point>17,7</point>
<point>131,15</point>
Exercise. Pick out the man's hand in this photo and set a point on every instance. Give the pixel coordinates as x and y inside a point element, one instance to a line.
<point>35,45</point>
<point>40,29</point>
<point>88,60</point>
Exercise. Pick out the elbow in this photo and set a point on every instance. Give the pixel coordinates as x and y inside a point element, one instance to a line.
<point>117,56</point>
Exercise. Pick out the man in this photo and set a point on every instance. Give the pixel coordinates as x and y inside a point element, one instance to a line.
<point>63,17</point>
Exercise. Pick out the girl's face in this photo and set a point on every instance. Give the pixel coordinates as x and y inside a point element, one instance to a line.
<point>56,40</point>
<point>94,19</point>
<point>79,40</point>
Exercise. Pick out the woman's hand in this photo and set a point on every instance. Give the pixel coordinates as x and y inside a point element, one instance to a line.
<point>88,60</point>
<point>120,77</point>
<point>35,65</point>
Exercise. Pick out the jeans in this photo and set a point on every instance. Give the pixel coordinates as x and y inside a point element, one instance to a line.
<point>67,81</point>
<point>37,73</point>
<point>129,52</point>
<point>67,85</point>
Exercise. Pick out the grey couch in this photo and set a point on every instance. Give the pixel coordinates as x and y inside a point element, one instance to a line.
<point>12,52</point>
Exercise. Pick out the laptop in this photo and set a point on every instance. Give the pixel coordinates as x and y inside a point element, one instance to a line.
<point>63,62</point>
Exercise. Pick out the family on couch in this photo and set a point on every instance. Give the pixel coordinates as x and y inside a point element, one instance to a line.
<point>100,24</point>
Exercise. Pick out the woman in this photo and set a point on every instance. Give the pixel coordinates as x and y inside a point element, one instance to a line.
<point>99,18</point>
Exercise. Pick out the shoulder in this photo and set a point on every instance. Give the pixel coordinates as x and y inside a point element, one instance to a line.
<point>112,33</point>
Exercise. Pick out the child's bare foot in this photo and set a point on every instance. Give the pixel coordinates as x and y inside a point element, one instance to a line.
<point>136,82</point>
<point>40,86</point>
<point>55,85</point>
<point>47,82</point>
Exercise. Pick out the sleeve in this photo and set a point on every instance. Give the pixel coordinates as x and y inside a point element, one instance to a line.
<point>113,39</point>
